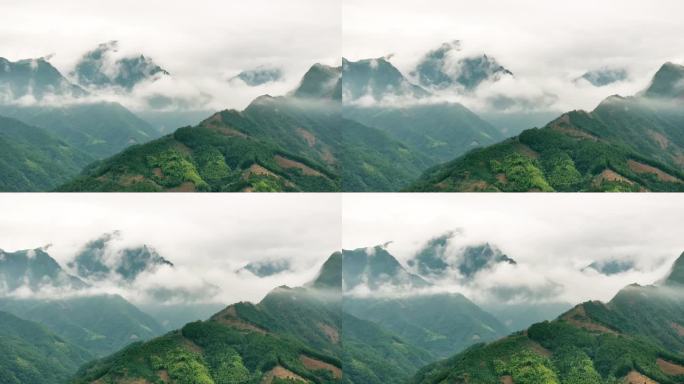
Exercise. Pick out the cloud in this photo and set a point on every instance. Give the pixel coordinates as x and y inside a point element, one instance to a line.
<point>206,237</point>
<point>200,45</point>
<point>551,237</point>
<point>545,44</point>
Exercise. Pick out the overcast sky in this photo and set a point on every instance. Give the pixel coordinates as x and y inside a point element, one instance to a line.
<point>546,44</point>
<point>203,42</point>
<point>551,236</point>
<point>207,236</point>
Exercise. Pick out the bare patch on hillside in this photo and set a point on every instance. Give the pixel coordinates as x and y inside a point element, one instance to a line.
<point>506,379</point>
<point>331,332</point>
<point>678,328</point>
<point>578,317</point>
<point>645,168</point>
<point>659,138</point>
<point>230,317</point>
<point>307,136</point>
<point>163,375</point>
<point>564,126</point>
<point>634,377</point>
<point>288,164</point>
<point>281,373</point>
<point>537,348</point>
<point>473,186</point>
<point>128,180</point>
<point>527,151</point>
<point>256,169</point>
<point>608,175</point>
<point>186,186</point>
<point>669,368</point>
<point>315,365</point>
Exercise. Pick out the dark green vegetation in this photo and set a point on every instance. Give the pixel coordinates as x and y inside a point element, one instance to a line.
<point>625,144</point>
<point>440,323</point>
<point>98,129</point>
<point>100,324</point>
<point>635,338</point>
<point>30,354</point>
<point>286,143</point>
<point>33,159</point>
<point>292,335</point>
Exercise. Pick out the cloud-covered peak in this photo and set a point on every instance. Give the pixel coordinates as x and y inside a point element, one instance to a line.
<point>106,67</point>
<point>374,268</point>
<point>668,82</point>
<point>105,257</point>
<point>439,258</point>
<point>30,80</point>
<point>611,267</point>
<point>264,268</point>
<point>447,67</point>
<point>676,275</point>
<point>259,76</point>
<point>375,80</point>
<point>604,76</point>
<point>320,82</point>
<point>32,270</point>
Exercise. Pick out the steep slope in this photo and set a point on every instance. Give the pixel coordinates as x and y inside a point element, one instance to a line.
<point>33,159</point>
<point>33,270</point>
<point>371,160</point>
<point>33,79</point>
<point>30,354</point>
<point>378,288</point>
<point>635,338</point>
<point>377,95</point>
<point>100,324</point>
<point>285,143</point>
<point>625,144</point>
<point>98,129</point>
<point>292,335</point>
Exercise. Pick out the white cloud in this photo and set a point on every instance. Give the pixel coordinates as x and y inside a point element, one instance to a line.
<point>200,43</point>
<point>552,237</point>
<point>545,44</point>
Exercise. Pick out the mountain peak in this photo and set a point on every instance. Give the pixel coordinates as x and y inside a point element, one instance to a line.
<point>320,82</point>
<point>668,82</point>
<point>33,269</point>
<point>330,274</point>
<point>375,268</point>
<point>676,275</point>
<point>378,79</point>
<point>33,78</point>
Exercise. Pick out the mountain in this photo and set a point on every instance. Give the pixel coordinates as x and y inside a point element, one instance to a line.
<point>98,259</point>
<point>99,129</point>
<point>100,324</point>
<point>34,159</point>
<point>35,270</point>
<point>33,80</point>
<point>635,338</point>
<point>625,144</point>
<point>372,160</point>
<point>435,131</point>
<point>103,67</point>
<point>604,76</point>
<point>676,276</point>
<point>377,80</point>
<point>288,143</point>
<point>266,268</point>
<point>433,260</point>
<point>610,267</point>
<point>446,67</point>
<point>320,82</point>
<point>667,82</point>
<point>259,76</point>
<point>292,335</point>
<point>390,296</point>
<point>30,354</point>
<point>375,268</point>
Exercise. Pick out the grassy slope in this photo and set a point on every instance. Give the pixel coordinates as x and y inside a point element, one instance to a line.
<point>30,354</point>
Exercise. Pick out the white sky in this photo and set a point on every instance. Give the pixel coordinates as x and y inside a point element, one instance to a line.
<point>551,236</point>
<point>207,236</point>
<point>202,42</point>
<point>544,43</point>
